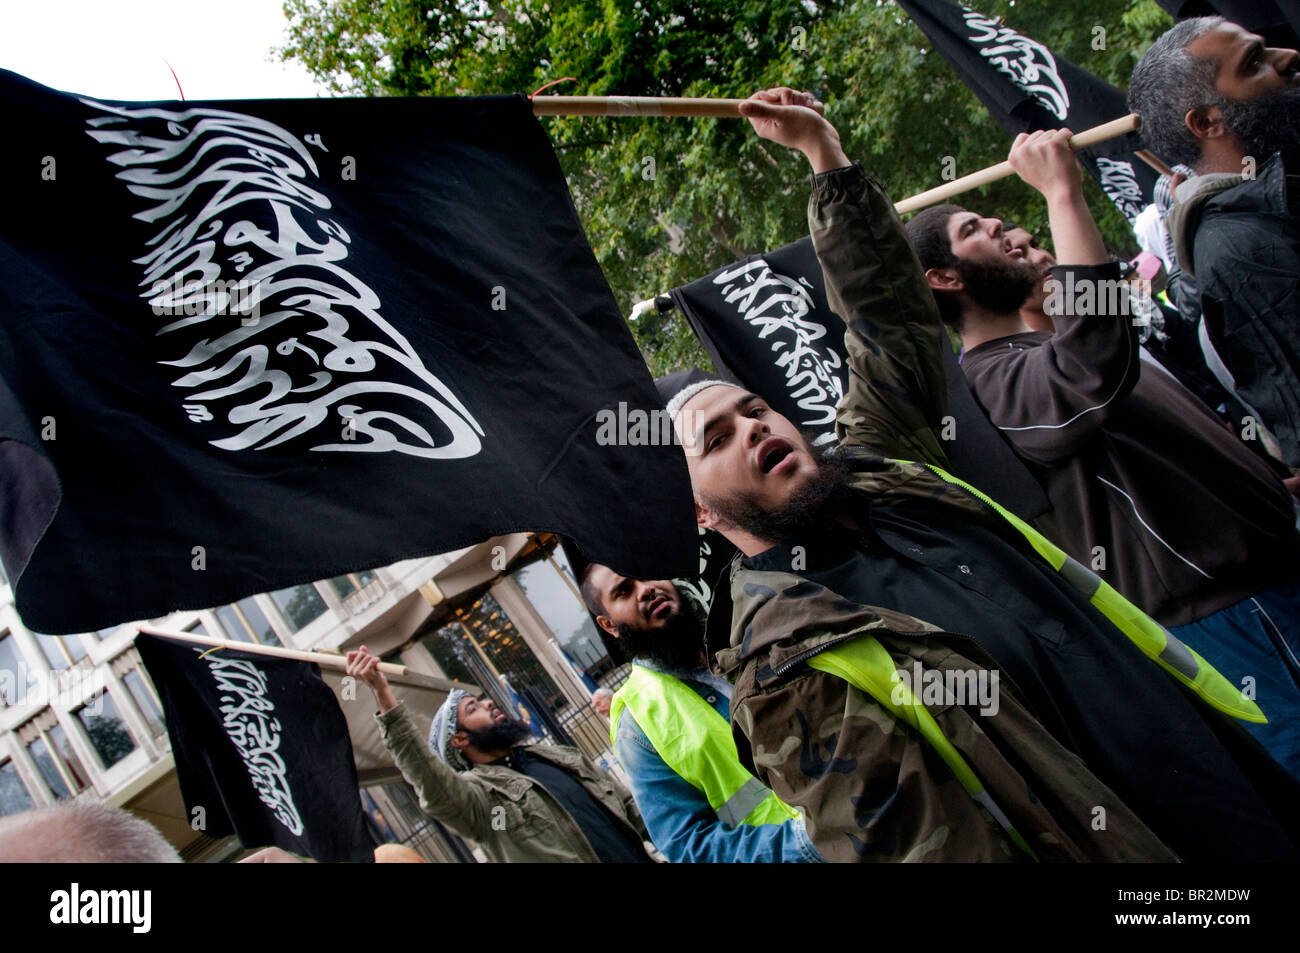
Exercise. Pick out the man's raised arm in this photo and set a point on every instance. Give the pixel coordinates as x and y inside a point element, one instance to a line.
<point>896,397</point>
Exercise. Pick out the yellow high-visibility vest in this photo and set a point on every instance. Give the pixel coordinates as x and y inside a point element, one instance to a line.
<point>696,742</point>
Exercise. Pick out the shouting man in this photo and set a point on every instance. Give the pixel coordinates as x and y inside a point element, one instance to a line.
<point>872,585</point>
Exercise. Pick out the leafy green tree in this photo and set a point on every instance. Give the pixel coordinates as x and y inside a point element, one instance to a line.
<point>664,201</point>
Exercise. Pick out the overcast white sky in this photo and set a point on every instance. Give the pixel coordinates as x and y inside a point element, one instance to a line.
<point>114,49</point>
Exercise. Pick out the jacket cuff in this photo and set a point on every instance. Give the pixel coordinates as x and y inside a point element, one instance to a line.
<point>1110,271</point>
<point>389,719</point>
<point>839,181</point>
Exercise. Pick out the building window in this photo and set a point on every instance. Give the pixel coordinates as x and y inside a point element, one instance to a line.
<point>49,770</point>
<point>246,622</point>
<point>106,730</point>
<point>145,700</point>
<point>13,672</point>
<point>300,605</point>
<point>63,749</point>
<point>60,651</point>
<point>349,583</point>
<point>13,795</point>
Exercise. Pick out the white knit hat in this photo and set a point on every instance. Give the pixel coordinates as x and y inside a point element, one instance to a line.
<point>690,390</point>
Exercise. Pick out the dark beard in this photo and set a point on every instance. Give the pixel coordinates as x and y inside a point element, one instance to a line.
<point>500,737</point>
<point>803,510</point>
<point>677,645</point>
<point>1267,125</point>
<point>1001,287</point>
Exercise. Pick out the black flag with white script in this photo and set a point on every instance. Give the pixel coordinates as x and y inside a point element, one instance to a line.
<point>1027,88</point>
<point>765,323</point>
<point>246,345</point>
<point>261,750</point>
<point>767,326</point>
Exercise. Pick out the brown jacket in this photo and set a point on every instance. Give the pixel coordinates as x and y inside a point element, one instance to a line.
<point>1148,488</point>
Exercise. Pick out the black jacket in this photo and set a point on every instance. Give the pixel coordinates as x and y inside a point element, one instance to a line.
<point>1240,240</point>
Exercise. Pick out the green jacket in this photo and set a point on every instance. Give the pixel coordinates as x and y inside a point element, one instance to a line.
<point>829,748</point>
<point>508,814</point>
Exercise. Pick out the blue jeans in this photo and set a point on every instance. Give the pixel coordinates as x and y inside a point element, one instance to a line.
<point>1257,642</point>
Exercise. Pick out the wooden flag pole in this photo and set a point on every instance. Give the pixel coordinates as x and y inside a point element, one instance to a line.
<point>1154,161</point>
<point>635,106</point>
<point>320,658</point>
<point>730,109</point>
<point>1082,140</point>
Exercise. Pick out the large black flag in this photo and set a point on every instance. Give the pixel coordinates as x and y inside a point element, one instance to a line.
<point>1027,88</point>
<point>767,326</point>
<point>1278,21</point>
<point>261,750</point>
<point>245,345</point>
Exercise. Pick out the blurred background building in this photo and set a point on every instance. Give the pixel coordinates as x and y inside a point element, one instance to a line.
<point>79,716</point>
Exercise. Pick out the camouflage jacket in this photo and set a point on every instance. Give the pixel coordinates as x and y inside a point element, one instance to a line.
<point>870,788</point>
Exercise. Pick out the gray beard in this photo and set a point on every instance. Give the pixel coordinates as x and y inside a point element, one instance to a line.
<point>1267,125</point>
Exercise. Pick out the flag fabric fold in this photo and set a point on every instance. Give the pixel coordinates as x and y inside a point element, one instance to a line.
<point>246,345</point>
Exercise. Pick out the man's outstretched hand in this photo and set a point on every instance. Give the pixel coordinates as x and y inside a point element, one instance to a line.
<point>791,118</point>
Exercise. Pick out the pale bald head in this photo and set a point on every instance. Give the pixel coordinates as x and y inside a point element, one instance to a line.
<point>82,832</point>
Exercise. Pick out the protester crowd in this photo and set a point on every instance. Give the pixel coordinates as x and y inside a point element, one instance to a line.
<point>895,666</point>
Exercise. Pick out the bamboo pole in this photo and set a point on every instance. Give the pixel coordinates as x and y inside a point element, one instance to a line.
<point>1082,140</point>
<point>324,659</point>
<point>635,106</point>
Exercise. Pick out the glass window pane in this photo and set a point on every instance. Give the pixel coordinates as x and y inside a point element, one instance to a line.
<point>234,626</point>
<point>343,585</point>
<point>13,796</point>
<point>301,605</point>
<point>106,730</point>
<point>50,649</point>
<point>198,629</point>
<point>257,619</point>
<point>13,676</point>
<point>561,610</point>
<point>73,644</point>
<point>63,748</point>
<point>144,700</point>
<point>45,761</point>
<point>365,577</point>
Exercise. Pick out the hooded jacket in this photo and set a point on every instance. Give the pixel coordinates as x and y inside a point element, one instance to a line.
<point>1240,241</point>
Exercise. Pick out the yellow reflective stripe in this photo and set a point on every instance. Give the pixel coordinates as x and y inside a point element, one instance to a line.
<point>866,664</point>
<point>696,742</point>
<point>1154,641</point>
<point>742,804</point>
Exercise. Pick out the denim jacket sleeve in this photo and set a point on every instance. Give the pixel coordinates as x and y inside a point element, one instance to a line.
<point>683,825</point>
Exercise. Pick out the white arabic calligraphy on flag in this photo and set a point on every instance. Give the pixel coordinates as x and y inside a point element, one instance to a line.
<point>207,173</point>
